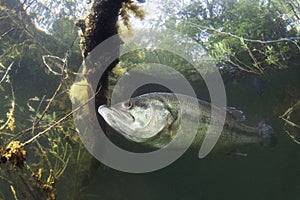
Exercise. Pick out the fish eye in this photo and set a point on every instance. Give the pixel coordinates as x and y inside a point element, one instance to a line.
<point>127,104</point>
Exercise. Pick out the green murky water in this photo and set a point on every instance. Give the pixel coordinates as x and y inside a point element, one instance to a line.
<point>266,173</point>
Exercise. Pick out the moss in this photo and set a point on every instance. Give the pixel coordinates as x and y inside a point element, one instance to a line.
<point>119,70</point>
<point>79,92</point>
<point>130,8</point>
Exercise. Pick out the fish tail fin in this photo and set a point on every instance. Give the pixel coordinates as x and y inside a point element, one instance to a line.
<point>237,114</point>
<point>268,137</point>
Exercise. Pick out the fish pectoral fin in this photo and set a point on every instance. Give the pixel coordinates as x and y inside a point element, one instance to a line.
<point>237,152</point>
<point>174,126</point>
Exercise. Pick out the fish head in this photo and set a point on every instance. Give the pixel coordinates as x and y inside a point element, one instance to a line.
<point>138,119</point>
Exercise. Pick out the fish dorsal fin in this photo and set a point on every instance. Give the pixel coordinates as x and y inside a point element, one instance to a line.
<point>237,114</point>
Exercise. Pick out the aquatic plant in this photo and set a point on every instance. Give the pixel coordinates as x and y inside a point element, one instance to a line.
<point>38,140</point>
<point>291,118</point>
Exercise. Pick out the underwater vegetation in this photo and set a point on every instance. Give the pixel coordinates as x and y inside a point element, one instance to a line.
<point>291,121</point>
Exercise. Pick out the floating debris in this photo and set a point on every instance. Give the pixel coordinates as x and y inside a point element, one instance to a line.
<point>14,153</point>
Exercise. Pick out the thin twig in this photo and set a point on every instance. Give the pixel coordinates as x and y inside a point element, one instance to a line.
<point>293,9</point>
<point>50,102</point>
<point>28,5</point>
<point>64,71</point>
<point>11,110</point>
<point>56,123</point>
<point>48,67</point>
<point>290,110</point>
<point>19,134</point>
<point>14,192</point>
<point>292,137</point>
<point>286,118</point>
<point>256,64</point>
<point>6,180</point>
<point>202,28</point>
<point>7,32</point>
<point>63,76</point>
<point>37,142</point>
<point>6,72</point>
<point>290,123</point>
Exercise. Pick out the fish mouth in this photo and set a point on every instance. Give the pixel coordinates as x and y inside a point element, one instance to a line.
<point>111,114</point>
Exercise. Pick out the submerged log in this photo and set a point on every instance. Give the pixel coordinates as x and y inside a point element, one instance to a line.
<point>99,25</point>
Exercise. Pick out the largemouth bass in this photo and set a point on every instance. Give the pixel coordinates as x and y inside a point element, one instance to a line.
<point>154,119</point>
